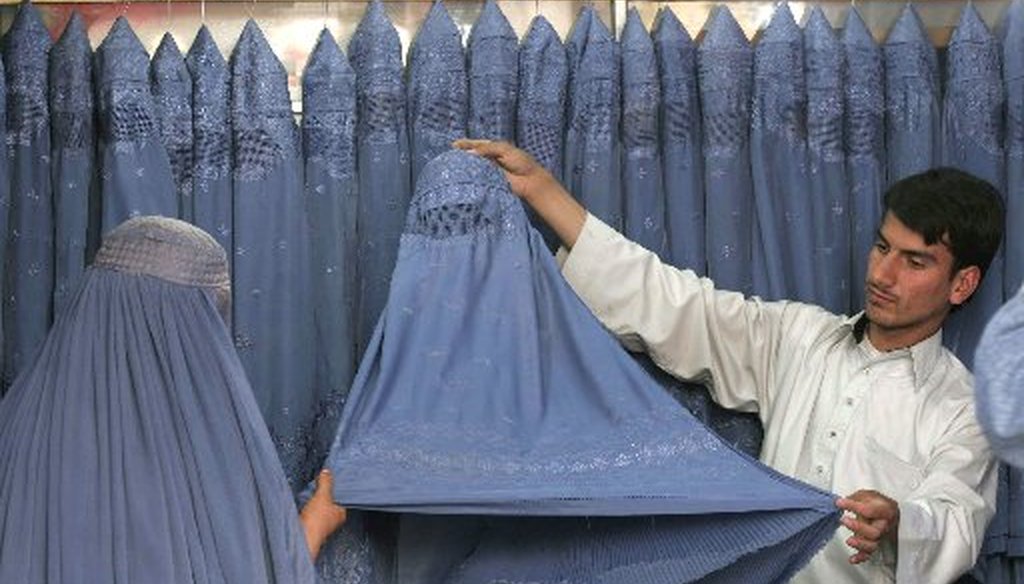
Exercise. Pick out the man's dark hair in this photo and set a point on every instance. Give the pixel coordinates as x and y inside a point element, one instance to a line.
<point>957,209</point>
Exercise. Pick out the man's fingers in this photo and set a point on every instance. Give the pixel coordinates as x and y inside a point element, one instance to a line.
<point>485,148</point>
<point>861,508</point>
<point>859,558</point>
<point>863,528</point>
<point>861,544</point>
<point>324,481</point>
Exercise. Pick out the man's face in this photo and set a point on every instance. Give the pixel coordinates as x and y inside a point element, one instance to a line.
<point>910,286</point>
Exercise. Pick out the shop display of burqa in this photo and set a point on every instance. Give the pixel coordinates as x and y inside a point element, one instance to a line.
<point>490,392</point>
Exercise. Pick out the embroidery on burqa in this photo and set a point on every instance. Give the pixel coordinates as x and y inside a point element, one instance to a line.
<point>1012,38</point>
<point>493,55</point>
<point>171,85</point>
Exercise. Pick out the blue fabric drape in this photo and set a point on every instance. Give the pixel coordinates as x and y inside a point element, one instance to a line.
<point>73,131</point>
<point>136,422</point>
<point>211,133</point>
<point>171,85</point>
<point>328,142</point>
<point>827,187</point>
<point>382,141</point>
<point>592,157</point>
<point>273,296</point>
<point>1013,79</point>
<point>864,141</point>
<point>28,272</point>
<point>135,171</point>
<point>471,399</point>
<point>683,163</point>
<point>725,63</point>
<point>493,55</point>
<point>642,181</point>
<point>438,91</point>
<point>5,202</point>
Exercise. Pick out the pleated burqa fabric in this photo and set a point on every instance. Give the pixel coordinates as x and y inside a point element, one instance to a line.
<point>912,94</point>
<point>643,189</point>
<point>827,185</point>
<point>28,272</point>
<point>328,143</point>
<point>725,65</point>
<point>438,88</point>
<point>493,56</point>
<point>171,85</point>
<point>864,140</point>
<point>5,205</point>
<point>475,399</point>
<point>972,141</point>
<point>681,135</point>
<point>592,158</point>
<point>382,142</point>
<point>73,131</point>
<point>211,139</point>
<point>778,164</point>
<point>1013,80</point>
<point>135,171</point>
<point>132,450</point>
<point>273,285</point>
<point>540,115</point>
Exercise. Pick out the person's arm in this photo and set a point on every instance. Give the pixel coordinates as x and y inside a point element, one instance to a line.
<point>321,516</point>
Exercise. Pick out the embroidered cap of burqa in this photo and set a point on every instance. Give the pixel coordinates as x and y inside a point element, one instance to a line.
<point>489,389</point>
<point>132,448</point>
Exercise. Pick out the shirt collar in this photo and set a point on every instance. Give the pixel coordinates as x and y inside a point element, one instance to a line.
<point>923,354</point>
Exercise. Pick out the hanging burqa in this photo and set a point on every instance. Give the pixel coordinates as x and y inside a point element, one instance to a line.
<point>382,158</point>
<point>171,85</point>
<point>273,295</point>
<point>865,146</point>
<point>73,131</point>
<point>642,181</point>
<point>489,390</point>
<point>5,205</point>
<point>133,449</point>
<point>135,171</point>
<point>493,56</point>
<point>211,139</point>
<point>725,63</point>
<point>683,163</point>
<point>592,159</point>
<point>28,272</point>
<point>328,142</point>
<point>1012,36</point>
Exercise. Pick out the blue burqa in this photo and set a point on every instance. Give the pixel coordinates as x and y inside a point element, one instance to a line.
<point>135,171</point>
<point>5,201</point>
<point>132,449</point>
<point>493,56</point>
<point>171,85</point>
<point>28,271</point>
<point>211,139</point>
<point>73,131</point>
<point>1013,81</point>
<point>489,390</point>
<point>273,294</point>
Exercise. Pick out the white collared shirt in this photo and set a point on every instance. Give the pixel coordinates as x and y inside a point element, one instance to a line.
<point>837,413</point>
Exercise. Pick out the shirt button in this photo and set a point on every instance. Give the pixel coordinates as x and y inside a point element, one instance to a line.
<point>849,401</point>
<point>820,469</point>
<point>832,434</point>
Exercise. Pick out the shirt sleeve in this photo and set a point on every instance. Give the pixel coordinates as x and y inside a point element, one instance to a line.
<point>689,328</point>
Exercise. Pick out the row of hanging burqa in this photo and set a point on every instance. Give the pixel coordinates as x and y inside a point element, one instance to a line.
<point>761,165</point>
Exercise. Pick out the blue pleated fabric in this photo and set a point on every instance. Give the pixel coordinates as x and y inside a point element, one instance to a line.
<point>273,294</point>
<point>211,139</point>
<point>972,141</point>
<point>382,141</point>
<point>643,189</point>
<point>827,185</point>
<point>329,145</point>
<point>473,400</point>
<point>725,65</point>
<point>132,450</point>
<point>5,205</point>
<point>540,116</point>
<point>73,131</point>
<point>864,141</point>
<point>592,158</point>
<point>28,272</point>
<point>778,164</point>
<point>171,85</point>
<point>438,88</point>
<point>1013,80</point>
<point>493,56</point>
<point>682,155</point>
<point>135,171</point>
<point>912,95</point>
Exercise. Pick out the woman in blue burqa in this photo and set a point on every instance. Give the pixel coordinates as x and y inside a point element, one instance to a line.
<point>491,400</point>
<point>132,450</point>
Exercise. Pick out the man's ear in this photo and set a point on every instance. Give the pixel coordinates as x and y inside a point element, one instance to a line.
<point>965,282</point>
